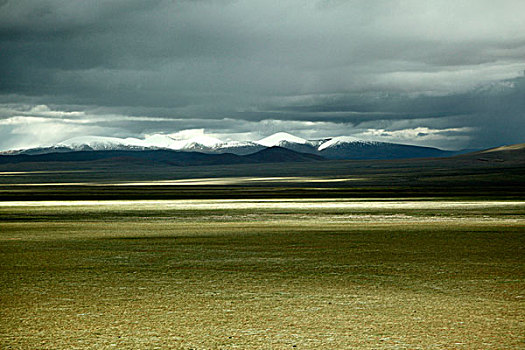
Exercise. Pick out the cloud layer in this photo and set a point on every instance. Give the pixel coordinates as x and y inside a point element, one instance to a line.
<point>441,73</point>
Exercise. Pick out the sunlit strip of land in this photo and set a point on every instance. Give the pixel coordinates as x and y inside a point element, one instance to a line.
<point>316,203</point>
<point>241,180</point>
<point>199,181</point>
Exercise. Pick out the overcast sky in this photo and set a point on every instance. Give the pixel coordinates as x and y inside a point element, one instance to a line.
<point>445,73</point>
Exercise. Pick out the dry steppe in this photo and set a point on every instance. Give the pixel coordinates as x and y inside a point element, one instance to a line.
<point>377,273</point>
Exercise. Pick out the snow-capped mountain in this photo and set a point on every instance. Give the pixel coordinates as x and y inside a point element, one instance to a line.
<point>201,141</point>
<point>157,141</point>
<point>286,140</point>
<point>342,147</point>
<point>101,143</point>
<point>280,139</point>
<point>337,141</point>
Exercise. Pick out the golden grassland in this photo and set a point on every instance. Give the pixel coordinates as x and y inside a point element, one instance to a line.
<point>262,274</point>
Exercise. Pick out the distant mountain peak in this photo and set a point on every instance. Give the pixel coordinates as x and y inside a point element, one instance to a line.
<point>337,140</point>
<point>279,138</point>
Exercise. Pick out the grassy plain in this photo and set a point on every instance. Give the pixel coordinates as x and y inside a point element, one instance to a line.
<point>263,274</point>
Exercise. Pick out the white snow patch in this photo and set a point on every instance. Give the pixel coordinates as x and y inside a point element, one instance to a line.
<point>161,141</point>
<point>231,144</point>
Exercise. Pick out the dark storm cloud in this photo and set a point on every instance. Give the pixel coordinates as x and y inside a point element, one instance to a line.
<point>135,66</point>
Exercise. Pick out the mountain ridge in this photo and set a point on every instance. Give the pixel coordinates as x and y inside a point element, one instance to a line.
<point>169,157</point>
<point>341,147</point>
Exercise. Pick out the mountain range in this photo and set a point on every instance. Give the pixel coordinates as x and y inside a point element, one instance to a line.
<point>326,148</point>
<point>164,156</point>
